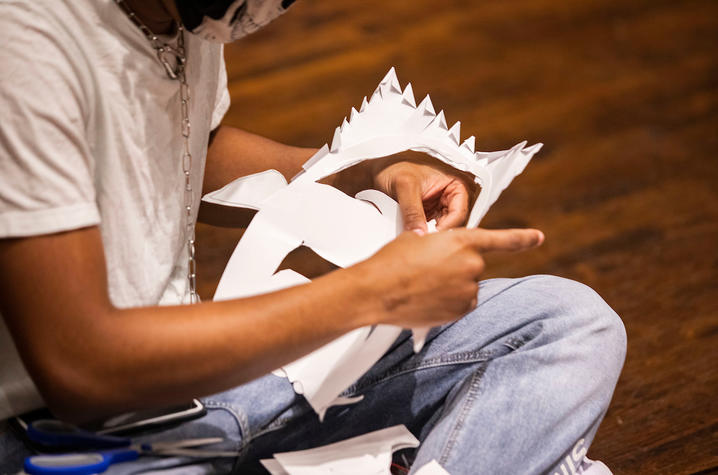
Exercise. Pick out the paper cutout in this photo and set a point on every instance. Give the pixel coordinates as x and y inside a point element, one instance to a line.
<point>345,230</point>
<point>368,454</point>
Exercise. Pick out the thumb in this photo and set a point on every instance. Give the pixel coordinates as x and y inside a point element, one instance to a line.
<point>408,194</point>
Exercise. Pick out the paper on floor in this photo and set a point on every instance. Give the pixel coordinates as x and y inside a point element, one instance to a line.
<point>368,454</point>
<point>345,230</point>
<point>432,468</point>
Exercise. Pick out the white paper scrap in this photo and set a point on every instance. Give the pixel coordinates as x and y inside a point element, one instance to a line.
<point>432,468</point>
<point>368,454</point>
<point>345,230</point>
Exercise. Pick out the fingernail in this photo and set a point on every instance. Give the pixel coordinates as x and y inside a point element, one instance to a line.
<point>541,238</point>
<point>419,231</point>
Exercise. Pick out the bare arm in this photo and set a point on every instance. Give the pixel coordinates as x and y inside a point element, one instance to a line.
<point>85,355</point>
<point>91,360</point>
<point>234,153</point>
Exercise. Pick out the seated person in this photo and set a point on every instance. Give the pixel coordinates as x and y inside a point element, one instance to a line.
<point>111,134</point>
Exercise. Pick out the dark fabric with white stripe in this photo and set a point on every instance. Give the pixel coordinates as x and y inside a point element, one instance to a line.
<point>223,21</point>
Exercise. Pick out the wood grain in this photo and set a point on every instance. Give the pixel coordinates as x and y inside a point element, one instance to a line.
<point>625,97</point>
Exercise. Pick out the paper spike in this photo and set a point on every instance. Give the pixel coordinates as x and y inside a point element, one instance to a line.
<point>336,141</point>
<point>516,148</point>
<point>345,125</point>
<point>377,93</point>
<point>439,121</point>
<point>427,106</point>
<point>469,144</point>
<point>395,86</point>
<point>353,115</point>
<point>408,96</point>
<point>364,103</point>
<point>455,132</point>
<point>316,157</point>
<point>390,77</point>
<point>533,148</point>
<point>389,86</point>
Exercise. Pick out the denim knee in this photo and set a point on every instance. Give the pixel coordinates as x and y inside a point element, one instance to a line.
<point>586,320</point>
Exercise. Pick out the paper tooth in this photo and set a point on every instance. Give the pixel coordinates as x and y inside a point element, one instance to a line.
<point>533,149</point>
<point>388,76</point>
<point>439,121</point>
<point>427,106</point>
<point>337,141</point>
<point>455,132</point>
<point>353,115</point>
<point>469,144</point>
<point>344,125</point>
<point>408,96</point>
<point>396,87</point>
<point>316,157</point>
<point>391,80</point>
<point>364,103</point>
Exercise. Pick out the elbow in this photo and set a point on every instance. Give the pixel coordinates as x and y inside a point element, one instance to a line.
<point>76,379</point>
<point>76,394</point>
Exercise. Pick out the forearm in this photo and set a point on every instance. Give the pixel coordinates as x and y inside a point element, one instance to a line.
<point>90,359</point>
<point>234,153</point>
<point>159,356</point>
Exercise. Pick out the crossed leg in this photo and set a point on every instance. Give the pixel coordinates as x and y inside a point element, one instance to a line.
<point>519,385</point>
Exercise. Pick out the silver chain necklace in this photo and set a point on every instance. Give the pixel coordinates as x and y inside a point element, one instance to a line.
<point>174,60</point>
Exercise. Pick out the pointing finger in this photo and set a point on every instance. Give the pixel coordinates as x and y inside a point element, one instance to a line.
<point>486,240</point>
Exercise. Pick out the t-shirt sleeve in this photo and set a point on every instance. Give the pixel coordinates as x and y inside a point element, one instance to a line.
<point>222,101</point>
<point>47,183</point>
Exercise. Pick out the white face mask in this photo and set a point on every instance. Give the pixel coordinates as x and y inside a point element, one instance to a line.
<point>224,21</point>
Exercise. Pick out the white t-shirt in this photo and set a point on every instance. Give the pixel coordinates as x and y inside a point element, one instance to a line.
<point>90,135</point>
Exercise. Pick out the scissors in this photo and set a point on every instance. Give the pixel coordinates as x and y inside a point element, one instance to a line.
<point>108,449</point>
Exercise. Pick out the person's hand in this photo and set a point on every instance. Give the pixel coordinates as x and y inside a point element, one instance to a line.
<point>421,281</point>
<point>426,189</point>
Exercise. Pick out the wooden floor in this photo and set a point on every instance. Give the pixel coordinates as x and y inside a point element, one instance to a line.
<point>625,96</point>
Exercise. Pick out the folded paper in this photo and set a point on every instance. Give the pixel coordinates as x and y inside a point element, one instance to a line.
<point>345,230</point>
<point>368,454</point>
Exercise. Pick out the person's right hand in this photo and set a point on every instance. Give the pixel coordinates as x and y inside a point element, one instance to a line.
<point>422,281</point>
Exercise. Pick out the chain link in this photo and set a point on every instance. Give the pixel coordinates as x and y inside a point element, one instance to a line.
<point>174,61</point>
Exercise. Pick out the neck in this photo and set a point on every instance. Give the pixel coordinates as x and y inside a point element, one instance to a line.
<point>160,16</point>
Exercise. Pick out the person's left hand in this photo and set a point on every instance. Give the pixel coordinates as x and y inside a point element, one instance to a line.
<point>426,189</point>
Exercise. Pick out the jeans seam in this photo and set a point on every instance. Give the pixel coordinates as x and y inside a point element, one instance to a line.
<point>242,423</point>
<point>466,407</point>
<point>514,344</point>
<point>467,357</point>
<point>514,284</point>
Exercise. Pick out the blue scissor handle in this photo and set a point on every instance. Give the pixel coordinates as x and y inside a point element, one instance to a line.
<point>77,464</point>
<point>54,433</point>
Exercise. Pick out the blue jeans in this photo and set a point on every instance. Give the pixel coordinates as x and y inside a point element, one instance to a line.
<point>519,385</point>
